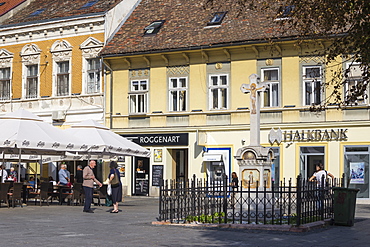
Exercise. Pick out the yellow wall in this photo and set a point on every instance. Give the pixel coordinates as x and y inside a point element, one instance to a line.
<point>46,63</point>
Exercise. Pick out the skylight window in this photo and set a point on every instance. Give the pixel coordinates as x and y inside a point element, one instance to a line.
<point>285,12</point>
<point>89,4</point>
<point>217,18</point>
<point>37,12</point>
<point>153,28</point>
<point>2,3</point>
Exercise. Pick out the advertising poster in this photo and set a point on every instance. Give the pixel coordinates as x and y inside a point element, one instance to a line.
<point>122,169</point>
<point>157,155</point>
<point>357,171</point>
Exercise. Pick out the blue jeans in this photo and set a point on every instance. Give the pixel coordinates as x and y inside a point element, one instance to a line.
<point>88,197</point>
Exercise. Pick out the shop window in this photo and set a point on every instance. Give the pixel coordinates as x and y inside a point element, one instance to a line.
<point>270,96</point>
<point>178,87</point>
<point>356,166</point>
<point>218,91</point>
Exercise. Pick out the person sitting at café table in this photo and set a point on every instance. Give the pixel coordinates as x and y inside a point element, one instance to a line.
<point>63,175</point>
<point>12,175</point>
<point>31,183</point>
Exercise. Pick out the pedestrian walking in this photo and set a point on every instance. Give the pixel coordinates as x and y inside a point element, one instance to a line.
<point>88,185</point>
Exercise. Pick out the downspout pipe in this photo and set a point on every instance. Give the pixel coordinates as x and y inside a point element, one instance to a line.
<point>106,65</point>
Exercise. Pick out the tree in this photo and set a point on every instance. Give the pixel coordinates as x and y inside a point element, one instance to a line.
<point>345,22</point>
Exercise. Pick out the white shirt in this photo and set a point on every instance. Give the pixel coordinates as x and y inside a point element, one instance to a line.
<point>4,173</point>
<point>319,175</point>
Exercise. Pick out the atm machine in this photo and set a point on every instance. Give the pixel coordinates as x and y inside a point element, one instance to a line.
<point>215,171</point>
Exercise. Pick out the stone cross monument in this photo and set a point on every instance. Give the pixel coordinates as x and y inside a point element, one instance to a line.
<point>254,88</point>
<point>254,160</point>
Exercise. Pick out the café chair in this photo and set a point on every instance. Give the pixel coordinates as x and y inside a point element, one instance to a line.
<point>16,194</point>
<point>43,193</point>
<point>4,189</point>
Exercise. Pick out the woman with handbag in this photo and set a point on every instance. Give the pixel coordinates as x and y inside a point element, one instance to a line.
<point>115,182</point>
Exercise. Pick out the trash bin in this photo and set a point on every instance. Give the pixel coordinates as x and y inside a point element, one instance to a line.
<point>344,206</point>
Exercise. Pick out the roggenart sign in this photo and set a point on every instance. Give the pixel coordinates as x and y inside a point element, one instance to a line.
<point>180,139</point>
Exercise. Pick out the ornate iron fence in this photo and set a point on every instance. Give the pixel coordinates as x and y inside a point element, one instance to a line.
<point>197,200</point>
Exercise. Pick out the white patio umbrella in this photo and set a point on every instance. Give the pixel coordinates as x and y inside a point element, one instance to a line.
<point>22,132</point>
<point>101,140</point>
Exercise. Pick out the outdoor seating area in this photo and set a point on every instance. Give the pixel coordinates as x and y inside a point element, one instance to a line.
<point>46,194</point>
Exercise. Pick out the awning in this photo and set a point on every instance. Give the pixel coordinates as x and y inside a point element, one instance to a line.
<point>212,157</point>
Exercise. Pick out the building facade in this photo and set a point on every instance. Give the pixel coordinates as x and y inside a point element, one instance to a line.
<point>50,64</point>
<point>175,89</point>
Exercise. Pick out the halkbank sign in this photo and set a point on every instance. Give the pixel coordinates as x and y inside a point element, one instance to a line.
<point>315,135</point>
<point>308,135</point>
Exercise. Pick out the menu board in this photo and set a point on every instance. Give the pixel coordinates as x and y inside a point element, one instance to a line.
<point>141,187</point>
<point>157,175</point>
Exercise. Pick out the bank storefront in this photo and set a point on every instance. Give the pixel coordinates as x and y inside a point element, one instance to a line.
<point>341,151</point>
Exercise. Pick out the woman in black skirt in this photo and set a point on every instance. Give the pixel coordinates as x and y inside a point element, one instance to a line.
<point>115,181</point>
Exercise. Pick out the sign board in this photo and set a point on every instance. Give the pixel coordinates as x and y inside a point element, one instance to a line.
<point>178,139</point>
<point>157,175</point>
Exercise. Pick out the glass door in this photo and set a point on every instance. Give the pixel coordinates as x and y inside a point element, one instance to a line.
<point>310,157</point>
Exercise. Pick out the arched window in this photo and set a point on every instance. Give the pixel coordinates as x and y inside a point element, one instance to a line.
<point>62,56</point>
<point>31,66</point>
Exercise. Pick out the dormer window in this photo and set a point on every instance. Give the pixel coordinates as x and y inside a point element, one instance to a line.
<point>153,28</point>
<point>37,12</point>
<point>217,18</point>
<point>285,12</point>
<point>89,4</point>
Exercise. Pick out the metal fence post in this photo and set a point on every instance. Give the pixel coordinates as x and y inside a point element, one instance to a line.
<point>225,185</point>
<point>299,199</point>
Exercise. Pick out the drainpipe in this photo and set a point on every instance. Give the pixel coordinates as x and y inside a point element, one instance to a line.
<point>110,93</point>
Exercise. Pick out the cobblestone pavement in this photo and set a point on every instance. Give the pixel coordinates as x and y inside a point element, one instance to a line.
<point>56,225</point>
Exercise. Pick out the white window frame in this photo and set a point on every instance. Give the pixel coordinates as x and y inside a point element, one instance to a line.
<point>30,55</point>
<point>3,82</point>
<point>59,74</point>
<point>178,95</point>
<point>91,48</point>
<point>267,93</point>
<point>221,103</point>
<point>29,78</point>
<point>93,86</point>
<point>313,92</point>
<point>138,97</point>
<point>355,79</point>
<point>62,52</point>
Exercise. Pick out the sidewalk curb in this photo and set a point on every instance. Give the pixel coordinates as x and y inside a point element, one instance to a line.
<point>283,228</point>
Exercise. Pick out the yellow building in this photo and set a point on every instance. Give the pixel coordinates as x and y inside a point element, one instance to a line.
<point>175,84</point>
<point>50,62</point>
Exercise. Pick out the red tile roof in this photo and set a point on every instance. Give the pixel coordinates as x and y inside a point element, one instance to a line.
<point>186,28</point>
<point>58,9</point>
<point>9,5</point>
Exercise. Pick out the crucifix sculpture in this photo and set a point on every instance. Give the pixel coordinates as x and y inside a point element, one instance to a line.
<point>254,88</point>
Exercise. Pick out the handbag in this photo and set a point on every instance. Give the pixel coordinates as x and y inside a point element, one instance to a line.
<point>114,183</point>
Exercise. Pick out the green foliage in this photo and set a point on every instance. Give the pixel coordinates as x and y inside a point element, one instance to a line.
<point>214,218</point>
